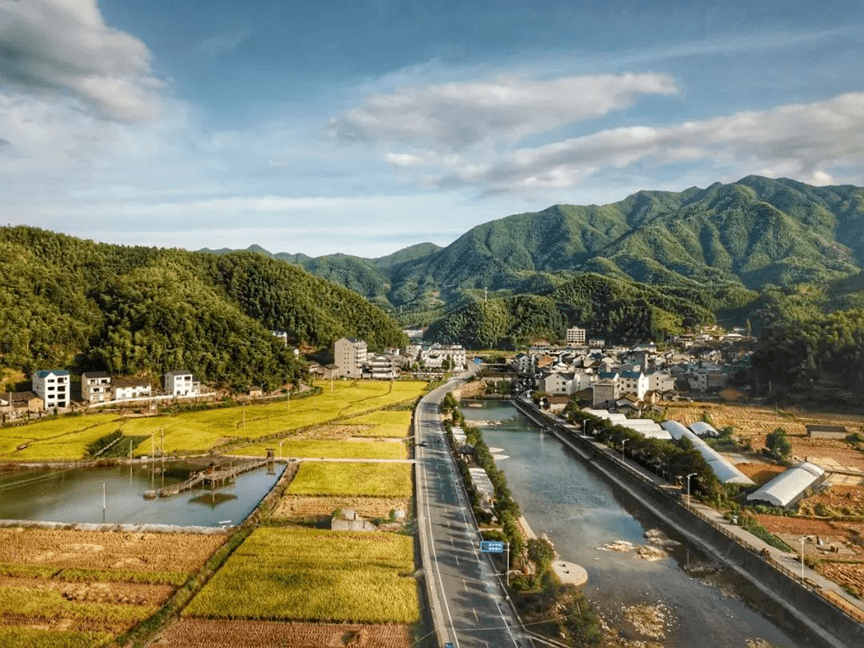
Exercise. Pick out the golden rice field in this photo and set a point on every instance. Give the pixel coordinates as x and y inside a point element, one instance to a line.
<point>67,438</point>
<point>385,423</point>
<point>352,479</point>
<point>68,588</point>
<point>329,449</point>
<point>314,575</point>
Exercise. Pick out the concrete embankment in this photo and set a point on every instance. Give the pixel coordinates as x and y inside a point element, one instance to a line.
<point>807,605</point>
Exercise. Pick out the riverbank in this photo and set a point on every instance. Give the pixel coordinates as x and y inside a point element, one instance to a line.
<point>569,573</point>
<point>718,539</point>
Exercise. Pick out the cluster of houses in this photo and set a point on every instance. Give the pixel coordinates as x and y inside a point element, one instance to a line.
<point>51,390</point>
<point>624,378</point>
<point>352,359</point>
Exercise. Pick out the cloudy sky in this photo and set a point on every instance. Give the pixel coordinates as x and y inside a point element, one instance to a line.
<point>364,127</point>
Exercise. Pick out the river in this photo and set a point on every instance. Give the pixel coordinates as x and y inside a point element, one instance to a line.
<point>697,602</point>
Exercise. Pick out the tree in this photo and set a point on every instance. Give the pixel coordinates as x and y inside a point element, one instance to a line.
<point>778,443</point>
<point>541,553</point>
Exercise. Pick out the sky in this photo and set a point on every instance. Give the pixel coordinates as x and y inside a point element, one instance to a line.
<point>364,127</point>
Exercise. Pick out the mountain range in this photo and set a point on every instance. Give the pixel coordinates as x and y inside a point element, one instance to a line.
<point>755,248</point>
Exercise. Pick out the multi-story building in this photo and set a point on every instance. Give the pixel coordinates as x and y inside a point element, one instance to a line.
<point>181,383</point>
<point>575,336</point>
<point>52,386</point>
<point>131,388</point>
<point>382,367</point>
<point>96,386</point>
<point>349,354</point>
<point>633,382</point>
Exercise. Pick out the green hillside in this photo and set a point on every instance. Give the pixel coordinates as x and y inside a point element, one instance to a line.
<point>67,302</point>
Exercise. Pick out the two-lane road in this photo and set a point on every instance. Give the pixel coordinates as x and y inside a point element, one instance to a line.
<point>469,606</point>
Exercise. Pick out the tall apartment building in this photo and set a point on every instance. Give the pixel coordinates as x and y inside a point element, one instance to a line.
<point>576,336</point>
<point>349,354</point>
<point>52,386</point>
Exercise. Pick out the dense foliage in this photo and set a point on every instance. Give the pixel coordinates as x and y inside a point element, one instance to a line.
<point>66,302</point>
<point>801,355</point>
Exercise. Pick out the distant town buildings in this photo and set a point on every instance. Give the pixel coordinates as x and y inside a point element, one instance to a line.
<point>52,386</point>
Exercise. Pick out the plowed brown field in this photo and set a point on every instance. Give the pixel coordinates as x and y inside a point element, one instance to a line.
<point>197,633</point>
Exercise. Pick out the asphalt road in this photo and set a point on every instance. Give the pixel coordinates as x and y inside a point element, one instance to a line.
<point>469,605</point>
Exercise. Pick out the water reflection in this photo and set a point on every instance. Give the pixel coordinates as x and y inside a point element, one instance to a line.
<point>115,494</point>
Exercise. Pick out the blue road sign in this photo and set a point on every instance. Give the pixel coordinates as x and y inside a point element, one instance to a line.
<point>449,644</point>
<point>492,546</point>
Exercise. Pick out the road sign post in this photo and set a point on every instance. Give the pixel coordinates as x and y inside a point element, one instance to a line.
<point>497,546</point>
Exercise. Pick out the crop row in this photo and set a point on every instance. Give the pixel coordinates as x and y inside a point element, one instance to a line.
<point>23,637</point>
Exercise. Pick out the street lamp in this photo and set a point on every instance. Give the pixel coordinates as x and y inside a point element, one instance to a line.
<point>803,538</point>
<point>280,447</point>
<point>688,487</point>
<point>622,446</point>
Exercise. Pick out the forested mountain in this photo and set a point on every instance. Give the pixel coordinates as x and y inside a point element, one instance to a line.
<point>66,302</point>
<point>766,248</point>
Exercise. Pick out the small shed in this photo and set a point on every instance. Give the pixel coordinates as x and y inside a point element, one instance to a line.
<point>827,432</point>
<point>349,520</point>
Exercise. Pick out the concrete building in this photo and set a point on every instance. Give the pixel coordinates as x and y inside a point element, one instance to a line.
<point>181,383</point>
<point>96,386</point>
<point>131,388</point>
<point>52,386</point>
<point>381,367</point>
<point>575,336</point>
<point>604,393</point>
<point>349,354</point>
<point>633,382</point>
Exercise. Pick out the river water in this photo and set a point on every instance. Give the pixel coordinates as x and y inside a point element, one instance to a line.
<point>580,511</point>
<point>71,496</point>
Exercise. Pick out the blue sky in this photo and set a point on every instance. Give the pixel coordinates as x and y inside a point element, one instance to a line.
<point>365,127</point>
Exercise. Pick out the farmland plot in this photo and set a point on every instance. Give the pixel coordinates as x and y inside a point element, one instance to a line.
<point>70,588</point>
<point>353,479</point>
<point>314,575</point>
<point>328,449</point>
<point>192,633</point>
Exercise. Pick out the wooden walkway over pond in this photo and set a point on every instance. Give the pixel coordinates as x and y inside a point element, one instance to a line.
<point>213,477</point>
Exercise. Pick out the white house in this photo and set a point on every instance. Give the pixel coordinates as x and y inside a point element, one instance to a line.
<point>661,381</point>
<point>349,354</point>
<point>52,386</point>
<point>96,386</point>
<point>633,382</point>
<point>382,367</point>
<point>181,383</point>
<point>131,388</point>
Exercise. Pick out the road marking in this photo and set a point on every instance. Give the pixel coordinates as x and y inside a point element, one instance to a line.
<point>476,618</point>
<point>465,585</point>
<point>457,559</point>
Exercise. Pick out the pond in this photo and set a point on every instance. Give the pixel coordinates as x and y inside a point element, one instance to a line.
<point>699,602</point>
<point>76,495</point>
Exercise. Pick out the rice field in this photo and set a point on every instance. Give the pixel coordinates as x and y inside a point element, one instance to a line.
<point>395,424</point>
<point>352,479</point>
<point>314,575</point>
<point>69,588</point>
<point>67,438</point>
<point>330,449</point>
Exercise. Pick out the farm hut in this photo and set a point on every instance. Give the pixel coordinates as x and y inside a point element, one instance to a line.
<point>790,486</point>
<point>826,432</point>
<point>725,472</point>
<point>703,429</point>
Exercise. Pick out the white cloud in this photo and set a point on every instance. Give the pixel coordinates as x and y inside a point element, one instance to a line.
<point>64,47</point>
<point>221,43</point>
<point>455,116</point>
<point>801,140</point>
